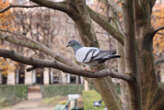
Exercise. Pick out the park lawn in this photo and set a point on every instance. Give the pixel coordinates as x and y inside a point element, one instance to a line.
<point>54,100</point>
<point>89,97</point>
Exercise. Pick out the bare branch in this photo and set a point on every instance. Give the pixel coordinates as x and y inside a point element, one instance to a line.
<point>115,7</point>
<point>151,3</point>
<point>159,29</point>
<point>62,6</point>
<point>103,21</point>
<point>31,68</point>
<point>148,39</point>
<point>102,33</point>
<point>22,40</point>
<point>95,16</point>
<point>160,33</point>
<point>57,65</point>
<point>143,3</point>
<point>18,6</point>
<point>159,60</point>
<point>13,33</point>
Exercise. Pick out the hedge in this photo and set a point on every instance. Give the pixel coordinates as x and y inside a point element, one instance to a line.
<point>10,95</point>
<point>61,90</point>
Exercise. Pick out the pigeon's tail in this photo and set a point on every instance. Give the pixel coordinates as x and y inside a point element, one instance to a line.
<point>114,56</point>
<point>109,58</point>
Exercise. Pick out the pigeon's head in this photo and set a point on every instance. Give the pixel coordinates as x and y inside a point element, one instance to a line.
<point>74,44</point>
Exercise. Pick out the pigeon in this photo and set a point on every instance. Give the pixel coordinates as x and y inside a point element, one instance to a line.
<point>91,55</point>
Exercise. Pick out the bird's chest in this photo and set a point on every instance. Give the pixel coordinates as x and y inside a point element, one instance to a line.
<point>84,55</point>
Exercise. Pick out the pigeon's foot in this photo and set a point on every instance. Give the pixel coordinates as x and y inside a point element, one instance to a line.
<point>87,68</point>
<point>93,70</point>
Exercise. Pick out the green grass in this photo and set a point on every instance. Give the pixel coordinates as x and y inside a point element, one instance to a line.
<point>54,100</point>
<point>60,90</point>
<point>89,97</point>
<point>10,95</point>
<point>161,85</point>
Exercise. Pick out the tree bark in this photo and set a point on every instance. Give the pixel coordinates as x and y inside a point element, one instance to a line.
<point>123,85</point>
<point>129,50</point>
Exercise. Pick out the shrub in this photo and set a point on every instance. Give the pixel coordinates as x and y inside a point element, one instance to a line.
<point>60,90</point>
<point>10,95</point>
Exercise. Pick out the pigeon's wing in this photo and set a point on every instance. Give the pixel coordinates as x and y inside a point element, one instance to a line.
<point>86,54</point>
<point>104,55</point>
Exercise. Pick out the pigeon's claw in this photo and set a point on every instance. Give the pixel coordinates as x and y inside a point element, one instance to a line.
<point>86,68</point>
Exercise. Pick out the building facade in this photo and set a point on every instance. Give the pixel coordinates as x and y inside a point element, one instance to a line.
<point>44,78</point>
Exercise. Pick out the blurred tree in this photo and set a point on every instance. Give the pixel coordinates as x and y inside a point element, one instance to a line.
<point>6,66</point>
<point>158,21</point>
<point>6,17</point>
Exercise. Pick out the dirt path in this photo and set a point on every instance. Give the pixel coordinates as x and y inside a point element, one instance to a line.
<point>34,101</point>
<point>34,104</point>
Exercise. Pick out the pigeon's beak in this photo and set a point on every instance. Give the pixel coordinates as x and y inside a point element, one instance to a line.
<point>68,45</point>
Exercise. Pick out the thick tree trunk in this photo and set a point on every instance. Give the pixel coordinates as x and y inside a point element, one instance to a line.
<point>107,90</point>
<point>146,85</point>
<point>151,96</point>
<point>139,58</point>
<point>123,85</point>
<point>149,91</point>
<point>130,51</point>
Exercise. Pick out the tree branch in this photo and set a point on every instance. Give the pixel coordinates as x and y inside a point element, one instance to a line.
<point>22,40</point>
<point>151,3</point>
<point>62,6</point>
<point>159,29</point>
<point>159,60</point>
<point>160,33</point>
<point>32,68</point>
<point>115,7</point>
<point>95,16</point>
<point>57,65</point>
<point>18,6</point>
<point>143,3</point>
<point>104,23</point>
<point>148,39</point>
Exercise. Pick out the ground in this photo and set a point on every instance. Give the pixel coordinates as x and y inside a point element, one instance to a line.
<point>34,104</point>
